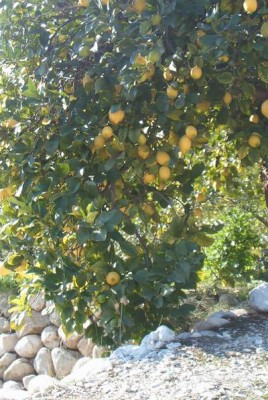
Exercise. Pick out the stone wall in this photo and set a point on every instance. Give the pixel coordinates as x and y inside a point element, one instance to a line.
<point>40,347</point>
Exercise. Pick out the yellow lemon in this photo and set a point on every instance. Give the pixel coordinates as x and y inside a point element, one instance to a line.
<point>116,117</point>
<point>254,118</point>
<point>196,72</point>
<point>198,212</point>
<point>172,93</point>
<point>254,140</point>
<point>167,74</point>
<point>142,139</point>
<point>10,123</point>
<point>264,108</point>
<point>227,98</point>
<point>148,209</point>
<point>139,5</point>
<point>148,178</point>
<point>250,6</point>
<point>140,60</point>
<point>200,197</point>
<point>191,131</point>
<point>112,278</point>
<point>99,142</point>
<point>107,132</point>
<point>264,30</point>
<point>224,58</point>
<point>185,144</point>
<point>143,152</point>
<point>203,106</point>
<point>162,157</point>
<point>164,173</point>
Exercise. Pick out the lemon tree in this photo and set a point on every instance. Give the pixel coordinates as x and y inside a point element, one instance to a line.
<point>110,112</point>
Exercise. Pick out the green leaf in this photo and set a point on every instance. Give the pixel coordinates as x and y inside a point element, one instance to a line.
<point>141,276</point>
<point>31,90</point>
<point>62,169</point>
<point>224,77</point>
<point>263,72</point>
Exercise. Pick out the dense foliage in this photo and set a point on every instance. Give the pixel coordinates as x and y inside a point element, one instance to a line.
<point>234,255</point>
<point>109,110</point>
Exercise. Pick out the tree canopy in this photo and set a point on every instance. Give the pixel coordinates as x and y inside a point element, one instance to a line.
<point>110,111</point>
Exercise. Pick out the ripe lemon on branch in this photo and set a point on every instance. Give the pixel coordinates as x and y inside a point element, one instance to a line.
<point>116,114</point>
<point>191,131</point>
<point>254,140</point>
<point>112,278</point>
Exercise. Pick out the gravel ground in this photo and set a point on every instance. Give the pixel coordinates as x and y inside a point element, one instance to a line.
<point>231,365</point>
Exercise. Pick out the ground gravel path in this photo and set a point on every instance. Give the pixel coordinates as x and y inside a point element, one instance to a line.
<point>231,365</point>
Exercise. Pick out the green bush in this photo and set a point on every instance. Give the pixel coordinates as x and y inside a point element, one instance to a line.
<point>233,256</point>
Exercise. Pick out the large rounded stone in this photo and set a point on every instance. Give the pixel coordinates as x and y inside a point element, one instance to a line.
<point>33,324</point>
<point>258,298</point>
<point>28,346</point>
<point>64,361</point>
<point>70,341</point>
<point>37,301</point>
<point>4,325</point>
<point>7,342</point>
<point>210,324</point>
<point>18,370</point>
<point>85,346</point>
<point>27,379</point>
<point>41,383</point>
<point>5,361</point>
<point>12,385</point>
<point>43,362</point>
<point>50,337</point>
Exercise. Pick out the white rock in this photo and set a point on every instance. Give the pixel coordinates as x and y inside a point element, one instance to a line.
<point>50,337</point>
<point>41,383</point>
<point>184,336</point>
<point>18,369</point>
<point>27,379</point>
<point>165,334</point>
<point>4,325</point>
<point>55,319</point>
<point>28,346</point>
<point>14,394</point>
<point>64,361</point>
<point>5,361</point>
<point>223,314</point>
<point>239,312</point>
<point>150,340</point>
<point>70,341</point>
<point>210,324</point>
<point>124,352</point>
<point>258,298</point>
<point>33,324</point>
<point>204,334</point>
<point>7,342</point>
<point>92,367</point>
<point>79,364</point>
<point>37,301</point>
<point>85,346</point>
<point>12,385</point>
<point>43,362</point>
